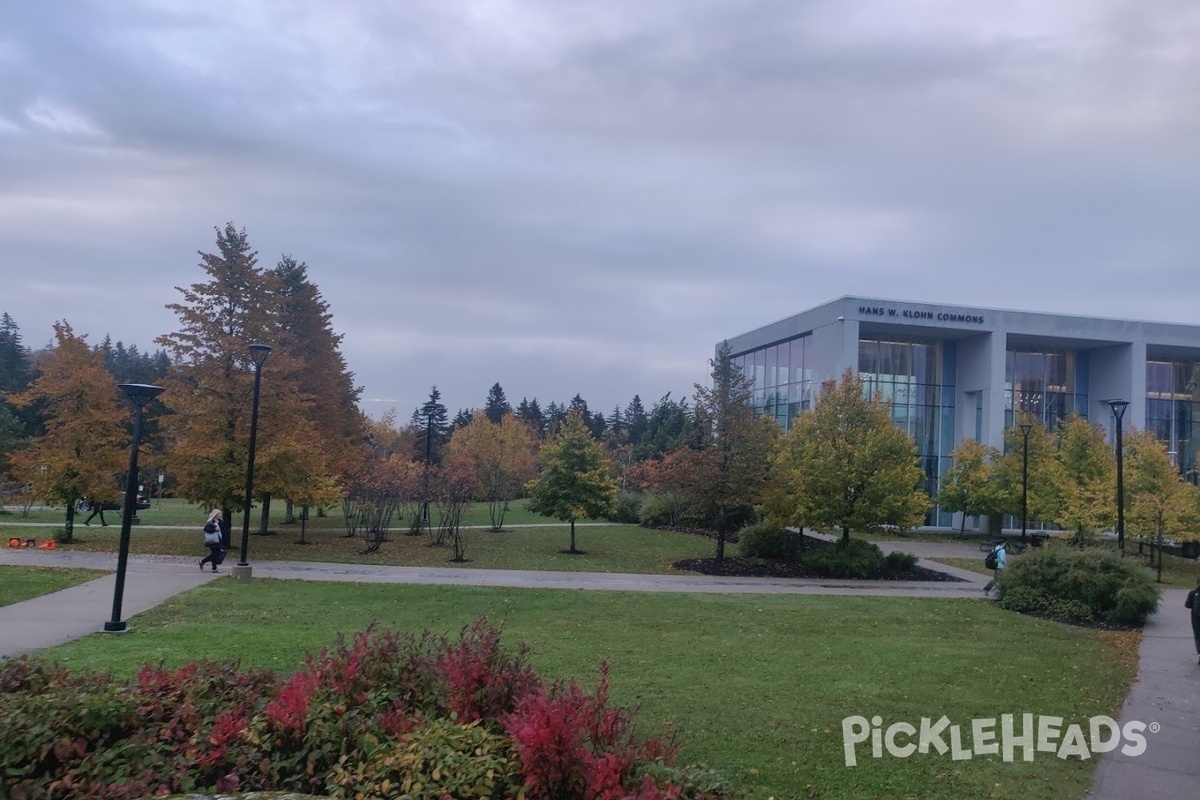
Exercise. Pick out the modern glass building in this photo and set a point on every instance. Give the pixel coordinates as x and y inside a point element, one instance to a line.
<point>953,372</point>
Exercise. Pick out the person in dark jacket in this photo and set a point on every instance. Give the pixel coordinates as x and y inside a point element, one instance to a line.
<point>97,507</point>
<point>1193,602</point>
<point>213,540</point>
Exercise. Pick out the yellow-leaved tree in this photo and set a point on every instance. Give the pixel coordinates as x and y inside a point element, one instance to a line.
<point>1159,503</point>
<point>81,452</point>
<point>502,456</point>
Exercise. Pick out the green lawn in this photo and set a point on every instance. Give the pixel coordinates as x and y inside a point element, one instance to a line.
<point>173,511</point>
<point>756,686</point>
<point>607,548</point>
<point>23,583</point>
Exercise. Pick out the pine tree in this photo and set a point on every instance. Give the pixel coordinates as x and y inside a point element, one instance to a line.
<point>15,372</point>
<point>432,429</point>
<point>529,411</point>
<point>635,420</point>
<point>497,404</point>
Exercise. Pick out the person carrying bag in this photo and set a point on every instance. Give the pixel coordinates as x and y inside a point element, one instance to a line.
<point>212,540</point>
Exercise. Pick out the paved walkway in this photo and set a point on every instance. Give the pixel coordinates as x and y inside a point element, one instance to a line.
<point>1165,696</point>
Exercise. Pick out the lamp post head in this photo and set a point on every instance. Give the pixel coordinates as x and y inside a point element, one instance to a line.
<point>1118,407</point>
<point>259,353</point>
<point>140,393</point>
<point>1025,427</point>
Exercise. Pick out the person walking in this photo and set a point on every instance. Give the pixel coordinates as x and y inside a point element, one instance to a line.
<point>1193,602</point>
<point>997,560</point>
<point>97,507</point>
<point>212,540</point>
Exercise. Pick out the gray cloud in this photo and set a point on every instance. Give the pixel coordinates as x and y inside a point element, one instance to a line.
<point>584,197</point>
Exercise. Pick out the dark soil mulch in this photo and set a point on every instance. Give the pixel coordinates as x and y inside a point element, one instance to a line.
<point>732,567</point>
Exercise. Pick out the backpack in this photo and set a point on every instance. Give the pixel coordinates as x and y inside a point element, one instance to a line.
<point>212,534</point>
<point>990,560</point>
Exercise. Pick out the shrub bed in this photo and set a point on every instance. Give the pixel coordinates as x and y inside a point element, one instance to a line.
<point>385,715</point>
<point>771,553</point>
<point>1088,586</point>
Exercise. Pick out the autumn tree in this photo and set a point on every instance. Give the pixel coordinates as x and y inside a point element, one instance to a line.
<point>306,333</point>
<point>970,485</point>
<point>1044,480</point>
<point>1087,478</point>
<point>455,483</point>
<point>82,450</point>
<point>575,482</point>
<point>502,456</point>
<point>845,465</point>
<point>1159,503</point>
<point>209,387</point>
<point>734,448</point>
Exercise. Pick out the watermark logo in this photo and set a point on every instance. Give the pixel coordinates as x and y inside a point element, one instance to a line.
<point>1041,734</point>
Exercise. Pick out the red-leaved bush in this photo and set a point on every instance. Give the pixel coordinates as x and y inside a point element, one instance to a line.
<point>372,711</point>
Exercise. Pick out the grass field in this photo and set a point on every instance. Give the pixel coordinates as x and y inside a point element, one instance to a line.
<point>23,583</point>
<point>756,686</point>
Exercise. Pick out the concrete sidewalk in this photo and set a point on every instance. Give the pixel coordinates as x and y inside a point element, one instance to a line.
<point>1166,697</point>
<point>72,613</point>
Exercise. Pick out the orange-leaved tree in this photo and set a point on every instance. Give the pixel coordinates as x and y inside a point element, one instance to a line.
<point>81,451</point>
<point>503,456</point>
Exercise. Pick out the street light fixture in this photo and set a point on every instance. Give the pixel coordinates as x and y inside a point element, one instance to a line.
<point>1025,429</point>
<point>1118,408</point>
<point>139,394</point>
<point>258,354</point>
<point>428,408</point>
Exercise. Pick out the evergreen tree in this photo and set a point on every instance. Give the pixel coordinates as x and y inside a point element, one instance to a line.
<point>497,404</point>
<point>15,371</point>
<point>555,414</point>
<point>529,411</point>
<point>431,428</point>
<point>461,420</point>
<point>635,420</point>
<point>668,428</point>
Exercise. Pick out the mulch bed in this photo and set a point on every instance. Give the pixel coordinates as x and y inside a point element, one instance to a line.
<point>732,567</point>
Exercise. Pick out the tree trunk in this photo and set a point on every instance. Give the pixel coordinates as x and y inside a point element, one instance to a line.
<point>289,513</point>
<point>573,550</point>
<point>845,536</point>
<point>721,534</point>
<point>263,524</point>
<point>69,527</point>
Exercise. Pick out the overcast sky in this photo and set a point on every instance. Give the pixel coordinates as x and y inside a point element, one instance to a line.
<point>585,196</point>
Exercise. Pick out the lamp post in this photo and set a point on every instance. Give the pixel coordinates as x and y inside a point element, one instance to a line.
<point>428,408</point>
<point>258,354</point>
<point>139,394</point>
<point>1025,429</point>
<point>1118,408</point>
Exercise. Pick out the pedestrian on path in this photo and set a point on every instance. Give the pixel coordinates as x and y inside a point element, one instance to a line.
<point>997,560</point>
<point>212,540</point>
<point>1193,602</point>
<point>97,507</point>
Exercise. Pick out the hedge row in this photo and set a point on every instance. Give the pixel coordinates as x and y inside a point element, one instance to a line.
<point>385,715</point>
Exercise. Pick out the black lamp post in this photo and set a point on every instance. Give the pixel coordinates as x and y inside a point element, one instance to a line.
<point>1025,429</point>
<point>258,354</point>
<point>139,394</point>
<point>428,408</point>
<point>1118,408</point>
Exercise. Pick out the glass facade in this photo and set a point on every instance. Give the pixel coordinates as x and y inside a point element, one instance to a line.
<point>917,377</point>
<point>1048,385</point>
<point>1173,411</point>
<point>782,382</point>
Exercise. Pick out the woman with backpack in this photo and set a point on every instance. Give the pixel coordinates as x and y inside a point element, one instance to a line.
<point>996,560</point>
<point>1193,602</point>
<point>213,540</point>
